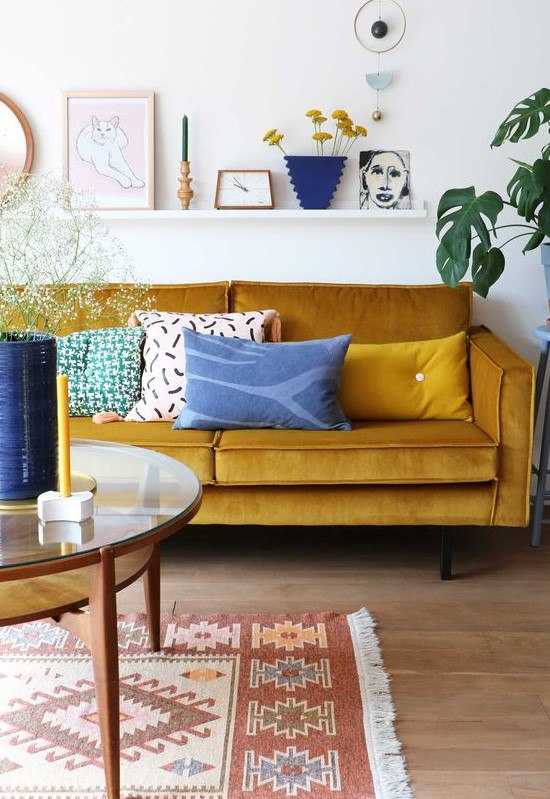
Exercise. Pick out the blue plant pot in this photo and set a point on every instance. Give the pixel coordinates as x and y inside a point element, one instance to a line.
<point>315,178</point>
<point>28,415</point>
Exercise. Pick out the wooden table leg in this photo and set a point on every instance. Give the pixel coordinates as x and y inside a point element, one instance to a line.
<point>104,648</point>
<point>151,586</point>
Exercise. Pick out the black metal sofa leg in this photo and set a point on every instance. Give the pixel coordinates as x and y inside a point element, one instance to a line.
<point>446,553</point>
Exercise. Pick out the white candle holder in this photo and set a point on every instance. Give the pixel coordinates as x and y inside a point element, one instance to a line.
<point>75,508</point>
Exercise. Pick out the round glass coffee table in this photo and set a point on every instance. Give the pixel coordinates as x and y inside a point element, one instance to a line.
<point>53,570</point>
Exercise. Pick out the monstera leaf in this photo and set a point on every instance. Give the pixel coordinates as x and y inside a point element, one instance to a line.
<point>461,216</point>
<point>529,192</point>
<point>487,267</point>
<point>525,119</point>
<point>525,193</point>
<point>541,177</point>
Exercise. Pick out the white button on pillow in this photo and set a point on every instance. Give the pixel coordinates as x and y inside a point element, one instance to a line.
<point>419,377</point>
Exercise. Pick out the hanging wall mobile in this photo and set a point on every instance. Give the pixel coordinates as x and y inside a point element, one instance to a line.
<point>379,27</point>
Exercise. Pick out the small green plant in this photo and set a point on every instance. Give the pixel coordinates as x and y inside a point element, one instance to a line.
<point>343,139</point>
<point>56,255</point>
<point>465,218</point>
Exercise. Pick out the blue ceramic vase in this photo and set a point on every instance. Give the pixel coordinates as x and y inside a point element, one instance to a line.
<point>28,415</point>
<point>315,178</point>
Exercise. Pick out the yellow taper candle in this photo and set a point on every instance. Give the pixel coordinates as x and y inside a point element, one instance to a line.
<point>63,440</point>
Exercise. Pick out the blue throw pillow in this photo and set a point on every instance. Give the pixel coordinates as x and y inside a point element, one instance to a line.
<point>234,383</point>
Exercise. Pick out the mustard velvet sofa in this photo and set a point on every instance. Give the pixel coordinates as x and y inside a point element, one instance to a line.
<point>428,472</point>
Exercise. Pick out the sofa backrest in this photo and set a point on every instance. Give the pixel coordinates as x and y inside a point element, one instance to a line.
<point>183,297</point>
<point>371,313</point>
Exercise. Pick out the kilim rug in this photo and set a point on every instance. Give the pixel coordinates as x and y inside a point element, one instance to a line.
<point>234,707</point>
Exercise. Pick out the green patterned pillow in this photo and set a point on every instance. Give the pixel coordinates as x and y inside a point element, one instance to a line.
<point>103,367</point>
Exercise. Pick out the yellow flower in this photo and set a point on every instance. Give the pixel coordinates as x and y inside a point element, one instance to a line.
<point>342,136</point>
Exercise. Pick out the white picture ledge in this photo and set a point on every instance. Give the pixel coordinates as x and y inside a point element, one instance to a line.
<point>266,215</point>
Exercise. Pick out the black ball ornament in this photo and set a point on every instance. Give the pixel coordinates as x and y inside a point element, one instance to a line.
<point>379,29</point>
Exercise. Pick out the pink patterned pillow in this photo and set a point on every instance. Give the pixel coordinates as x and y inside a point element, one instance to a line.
<point>163,379</point>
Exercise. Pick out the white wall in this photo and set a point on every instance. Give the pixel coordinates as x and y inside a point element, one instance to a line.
<point>239,67</point>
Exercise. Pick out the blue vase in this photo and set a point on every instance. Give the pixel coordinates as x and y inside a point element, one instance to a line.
<point>28,415</point>
<point>315,178</point>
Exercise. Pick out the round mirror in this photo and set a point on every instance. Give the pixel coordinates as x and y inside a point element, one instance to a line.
<point>16,147</point>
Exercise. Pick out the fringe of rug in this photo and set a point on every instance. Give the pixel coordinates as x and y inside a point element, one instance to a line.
<point>387,764</point>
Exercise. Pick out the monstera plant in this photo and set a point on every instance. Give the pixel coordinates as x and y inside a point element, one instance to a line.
<point>467,222</point>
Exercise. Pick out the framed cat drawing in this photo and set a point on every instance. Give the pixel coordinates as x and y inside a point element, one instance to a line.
<point>108,146</point>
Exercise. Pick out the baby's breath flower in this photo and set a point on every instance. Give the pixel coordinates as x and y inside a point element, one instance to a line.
<point>56,257</point>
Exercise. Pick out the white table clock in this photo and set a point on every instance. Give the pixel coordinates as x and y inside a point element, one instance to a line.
<point>244,188</point>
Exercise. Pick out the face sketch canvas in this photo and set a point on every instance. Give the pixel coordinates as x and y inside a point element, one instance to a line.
<point>384,179</point>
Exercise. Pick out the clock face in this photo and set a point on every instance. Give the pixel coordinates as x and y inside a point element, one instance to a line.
<point>246,188</point>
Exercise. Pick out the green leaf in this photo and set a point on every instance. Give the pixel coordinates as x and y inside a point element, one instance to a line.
<point>541,175</point>
<point>541,178</point>
<point>525,119</point>
<point>543,219</point>
<point>535,241</point>
<point>460,216</point>
<point>525,195</point>
<point>487,267</point>
<point>522,163</point>
<point>451,269</point>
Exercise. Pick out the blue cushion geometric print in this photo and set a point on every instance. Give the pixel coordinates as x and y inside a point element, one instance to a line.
<point>234,383</point>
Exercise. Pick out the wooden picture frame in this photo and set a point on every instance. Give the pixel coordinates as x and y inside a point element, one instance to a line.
<point>244,189</point>
<point>108,146</point>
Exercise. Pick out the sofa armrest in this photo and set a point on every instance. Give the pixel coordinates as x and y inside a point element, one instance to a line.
<point>503,390</point>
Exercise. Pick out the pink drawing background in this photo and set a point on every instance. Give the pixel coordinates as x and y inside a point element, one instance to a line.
<point>133,121</point>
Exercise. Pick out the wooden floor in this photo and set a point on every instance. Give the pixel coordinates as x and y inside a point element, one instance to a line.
<point>469,659</point>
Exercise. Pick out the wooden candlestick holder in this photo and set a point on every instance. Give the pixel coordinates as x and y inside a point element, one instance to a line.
<point>185,192</point>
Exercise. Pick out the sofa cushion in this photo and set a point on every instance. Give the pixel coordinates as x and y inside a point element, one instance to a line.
<point>163,379</point>
<point>241,384</point>
<point>103,367</point>
<point>371,313</point>
<point>407,380</point>
<point>195,448</point>
<point>372,452</point>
